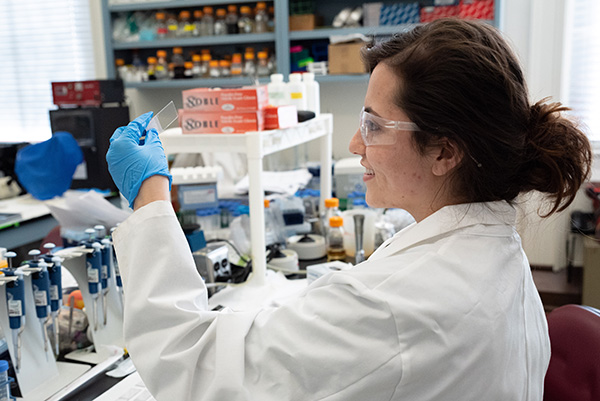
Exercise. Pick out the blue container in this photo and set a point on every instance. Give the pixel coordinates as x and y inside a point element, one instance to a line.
<point>399,13</point>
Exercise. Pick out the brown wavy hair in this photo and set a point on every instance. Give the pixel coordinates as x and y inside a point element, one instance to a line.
<point>461,81</point>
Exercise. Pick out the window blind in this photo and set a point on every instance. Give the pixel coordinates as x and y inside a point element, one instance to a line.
<point>583,87</point>
<point>40,42</point>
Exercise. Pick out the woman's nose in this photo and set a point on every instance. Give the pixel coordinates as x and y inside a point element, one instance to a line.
<point>357,145</point>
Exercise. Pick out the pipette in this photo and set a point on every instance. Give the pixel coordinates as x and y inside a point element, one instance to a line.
<point>93,266</point>
<point>55,273</point>
<point>41,292</point>
<point>116,269</point>
<point>15,300</point>
<point>106,261</point>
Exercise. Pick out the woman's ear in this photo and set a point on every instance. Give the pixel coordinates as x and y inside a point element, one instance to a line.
<point>447,156</point>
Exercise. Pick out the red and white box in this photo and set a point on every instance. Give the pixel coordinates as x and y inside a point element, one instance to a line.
<point>277,117</point>
<point>476,9</point>
<point>249,98</point>
<point>233,122</point>
<point>432,13</point>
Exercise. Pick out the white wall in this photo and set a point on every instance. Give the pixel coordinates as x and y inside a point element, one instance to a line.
<point>535,30</point>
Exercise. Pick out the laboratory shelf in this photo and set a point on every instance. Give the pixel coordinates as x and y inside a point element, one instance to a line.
<point>195,83</point>
<point>326,32</point>
<point>197,41</point>
<point>255,145</point>
<point>170,4</point>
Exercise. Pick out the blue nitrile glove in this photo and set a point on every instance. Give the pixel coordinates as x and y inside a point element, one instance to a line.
<point>130,163</point>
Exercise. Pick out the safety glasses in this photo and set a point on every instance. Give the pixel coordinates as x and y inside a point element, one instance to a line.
<point>381,131</point>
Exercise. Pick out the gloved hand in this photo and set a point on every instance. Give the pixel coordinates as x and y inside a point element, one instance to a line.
<point>130,163</point>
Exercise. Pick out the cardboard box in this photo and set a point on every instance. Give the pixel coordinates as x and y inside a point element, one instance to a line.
<point>476,9</point>
<point>278,117</point>
<point>249,98</point>
<point>232,122</point>
<point>304,22</point>
<point>344,58</point>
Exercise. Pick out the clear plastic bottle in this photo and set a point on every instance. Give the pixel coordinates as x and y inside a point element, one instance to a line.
<point>213,69</point>
<point>262,66</point>
<point>220,24</point>
<point>172,26</point>
<point>178,63</point>
<point>246,22</point>
<point>249,65</point>
<point>277,90</point>
<point>162,65</point>
<point>236,65</point>
<point>297,91</point>
<point>197,66</point>
<point>151,70</point>
<point>205,64</point>
<point>225,67</point>
<point>186,26</point>
<point>198,24</point>
<point>335,239</point>
<point>261,19</point>
<point>231,19</point>
<point>208,21</point>
<point>161,26</point>
<point>313,93</point>
<point>331,209</point>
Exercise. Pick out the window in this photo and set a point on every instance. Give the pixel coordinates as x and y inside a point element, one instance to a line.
<point>40,42</point>
<point>583,64</point>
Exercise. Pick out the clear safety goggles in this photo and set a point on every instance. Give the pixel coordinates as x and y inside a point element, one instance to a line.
<point>381,131</point>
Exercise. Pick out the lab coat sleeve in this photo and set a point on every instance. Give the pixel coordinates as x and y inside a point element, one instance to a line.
<point>337,341</point>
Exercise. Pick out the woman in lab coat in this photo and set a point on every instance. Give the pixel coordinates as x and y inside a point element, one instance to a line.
<point>445,310</point>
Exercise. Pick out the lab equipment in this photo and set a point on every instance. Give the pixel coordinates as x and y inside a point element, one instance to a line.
<point>130,163</point>
<point>4,383</point>
<point>212,264</point>
<point>368,242</point>
<point>376,130</point>
<point>40,281</point>
<point>55,273</point>
<point>15,299</point>
<point>105,274</point>
<point>296,91</point>
<point>277,90</point>
<point>93,266</point>
<point>335,239</point>
<point>307,246</point>
<point>359,221</point>
<point>164,118</point>
<point>115,264</point>
<point>313,93</point>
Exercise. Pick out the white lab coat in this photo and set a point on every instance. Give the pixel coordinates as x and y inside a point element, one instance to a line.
<point>445,310</point>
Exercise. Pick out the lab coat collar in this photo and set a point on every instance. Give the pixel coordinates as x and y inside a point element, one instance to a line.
<point>447,219</point>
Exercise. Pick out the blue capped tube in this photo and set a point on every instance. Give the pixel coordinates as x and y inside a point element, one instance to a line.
<point>41,294</point>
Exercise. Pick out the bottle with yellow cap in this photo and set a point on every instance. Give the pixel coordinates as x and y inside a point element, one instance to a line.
<point>213,69</point>
<point>225,67</point>
<point>262,66</point>
<point>197,66</point>
<point>151,70</point>
<point>249,65</point>
<point>208,21</point>
<point>261,19</point>
<point>178,63</point>
<point>197,31</point>
<point>332,208</point>
<point>231,19</point>
<point>335,239</point>
<point>172,26</point>
<point>236,65</point>
<point>161,25</point>
<point>186,26</point>
<point>121,69</point>
<point>205,64</point>
<point>162,65</point>
<point>246,22</point>
<point>220,25</point>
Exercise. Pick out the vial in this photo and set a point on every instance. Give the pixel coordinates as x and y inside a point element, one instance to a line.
<point>335,239</point>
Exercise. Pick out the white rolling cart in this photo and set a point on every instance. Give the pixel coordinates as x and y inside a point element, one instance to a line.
<point>257,145</point>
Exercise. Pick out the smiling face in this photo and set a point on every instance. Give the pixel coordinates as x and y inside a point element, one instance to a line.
<point>398,175</point>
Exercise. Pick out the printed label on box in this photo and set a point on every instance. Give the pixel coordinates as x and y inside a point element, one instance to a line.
<point>213,100</point>
<point>194,122</point>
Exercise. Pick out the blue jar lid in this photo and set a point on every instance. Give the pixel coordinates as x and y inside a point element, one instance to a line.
<point>3,366</point>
